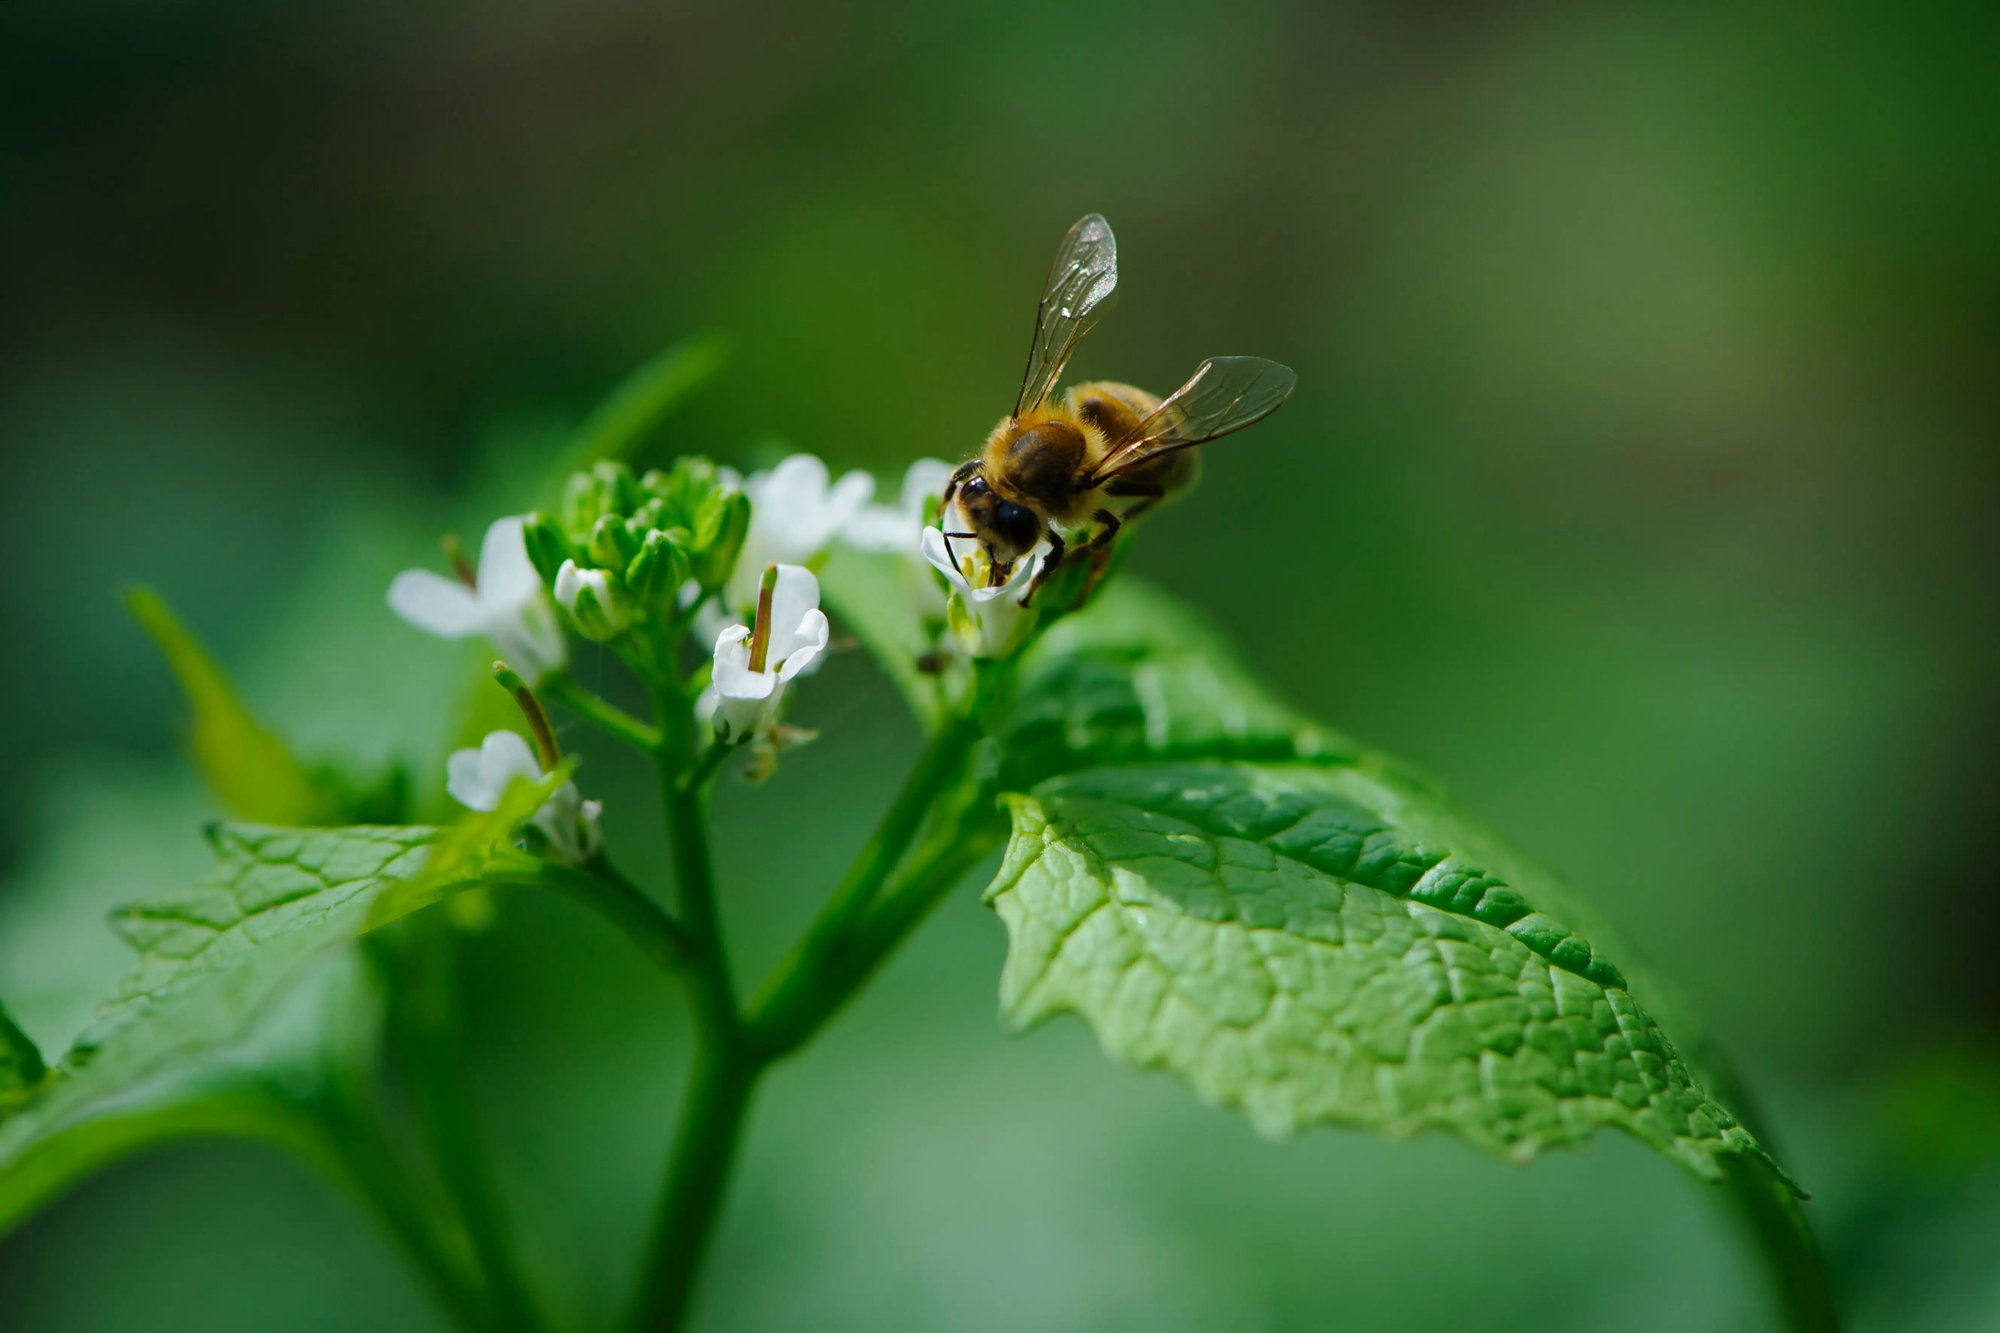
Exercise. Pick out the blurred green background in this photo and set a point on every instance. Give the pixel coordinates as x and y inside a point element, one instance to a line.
<point>1639,484</point>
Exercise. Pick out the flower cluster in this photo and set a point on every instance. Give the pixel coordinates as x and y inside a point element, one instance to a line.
<point>622,550</point>
<point>650,557</point>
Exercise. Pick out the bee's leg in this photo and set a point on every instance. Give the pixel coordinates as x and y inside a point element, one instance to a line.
<point>1108,525</point>
<point>1049,563</point>
<point>1148,493</point>
<point>958,479</point>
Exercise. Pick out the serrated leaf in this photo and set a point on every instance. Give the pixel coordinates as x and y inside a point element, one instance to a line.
<point>214,959</point>
<point>250,770</point>
<point>1136,677</point>
<point>479,845</point>
<point>316,1035</point>
<point>1312,945</point>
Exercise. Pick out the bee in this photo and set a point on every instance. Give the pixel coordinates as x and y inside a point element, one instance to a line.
<point>1051,466</point>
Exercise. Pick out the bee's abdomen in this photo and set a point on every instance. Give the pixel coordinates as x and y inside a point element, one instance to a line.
<point>1114,409</point>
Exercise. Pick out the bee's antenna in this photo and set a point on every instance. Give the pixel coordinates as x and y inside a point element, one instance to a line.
<point>950,554</point>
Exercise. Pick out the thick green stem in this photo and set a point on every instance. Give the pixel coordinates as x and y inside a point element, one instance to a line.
<point>725,1069</point>
<point>698,1170</point>
<point>1777,1226</point>
<point>869,912</point>
<point>821,970</point>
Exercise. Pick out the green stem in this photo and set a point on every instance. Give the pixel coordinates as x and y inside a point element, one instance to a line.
<point>355,1151</point>
<point>859,926</point>
<point>1769,1212</point>
<point>820,970</point>
<point>698,1170</point>
<point>600,888</point>
<point>725,1070</point>
<point>442,1103</point>
<point>603,714</point>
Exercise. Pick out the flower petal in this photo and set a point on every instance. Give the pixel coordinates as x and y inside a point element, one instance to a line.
<point>849,496</point>
<point>931,544</point>
<point>732,677</point>
<point>435,604</point>
<point>531,641</point>
<point>796,485</point>
<point>808,643</point>
<point>477,779</point>
<point>923,483</point>
<point>506,576</point>
<point>794,595</point>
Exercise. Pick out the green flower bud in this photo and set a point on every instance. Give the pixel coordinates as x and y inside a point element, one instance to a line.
<point>719,530</point>
<point>597,605</point>
<point>612,542</point>
<point>656,574</point>
<point>547,546</point>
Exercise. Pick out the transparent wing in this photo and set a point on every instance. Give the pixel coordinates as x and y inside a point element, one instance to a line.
<point>1081,283</point>
<point>1225,394</point>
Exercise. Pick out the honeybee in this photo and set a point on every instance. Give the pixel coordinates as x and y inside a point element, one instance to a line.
<point>1050,466</point>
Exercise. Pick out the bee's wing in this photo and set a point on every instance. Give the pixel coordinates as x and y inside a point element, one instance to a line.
<point>1225,394</point>
<point>1079,291</point>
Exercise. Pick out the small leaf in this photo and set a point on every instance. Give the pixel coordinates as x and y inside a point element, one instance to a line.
<point>247,766</point>
<point>214,959</point>
<point>1312,944</point>
<point>319,1034</point>
<point>479,845</point>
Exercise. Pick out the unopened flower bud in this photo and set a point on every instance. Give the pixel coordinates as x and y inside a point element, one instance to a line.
<point>720,528</point>
<point>612,543</point>
<point>594,602</point>
<point>656,574</point>
<point>547,547</point>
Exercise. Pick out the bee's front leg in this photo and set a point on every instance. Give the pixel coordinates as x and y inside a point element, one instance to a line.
<point>958,479</point>
<point>1049,563</point>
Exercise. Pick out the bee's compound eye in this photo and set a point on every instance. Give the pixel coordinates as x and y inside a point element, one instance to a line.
<point>1016,523</point>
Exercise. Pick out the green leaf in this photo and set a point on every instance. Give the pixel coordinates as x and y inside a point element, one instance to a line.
<point>214,961</point>
<point>316,1035</point>
<point>1322,944</point>
<point>248,767</point>
<point>478,847</point>
<point>1135,677</point>
<point>20,1062</point>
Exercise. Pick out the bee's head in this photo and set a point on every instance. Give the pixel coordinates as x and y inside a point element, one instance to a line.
<point>1008,531</point>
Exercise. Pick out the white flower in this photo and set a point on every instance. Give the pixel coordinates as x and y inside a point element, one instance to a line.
<point>987,621</point>
<point>794,515</point>
<point>478,779</point>
<point>899,528</point>
<point>605,614</point>
<point>794,633</point>
<point>506,607</point>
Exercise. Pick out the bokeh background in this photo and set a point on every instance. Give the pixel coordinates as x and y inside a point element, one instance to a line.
<point>1639,485</point>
